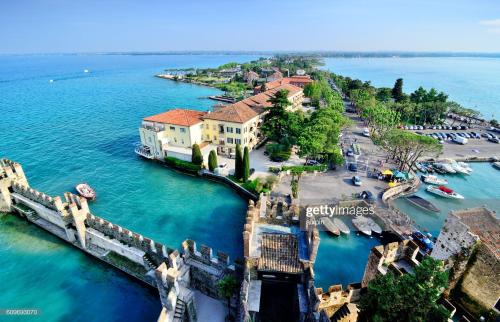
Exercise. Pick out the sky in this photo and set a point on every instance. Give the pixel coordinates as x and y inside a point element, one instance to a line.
<point>72,26</point>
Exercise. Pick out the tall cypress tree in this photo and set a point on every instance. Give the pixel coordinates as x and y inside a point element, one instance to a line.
<point>212,160</point>
<point>196,156</point>
<point>397,91</point>
<point>246,165</point>
<point>238,170</point>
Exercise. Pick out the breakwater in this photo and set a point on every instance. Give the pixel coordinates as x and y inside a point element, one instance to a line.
<point>177,275</point>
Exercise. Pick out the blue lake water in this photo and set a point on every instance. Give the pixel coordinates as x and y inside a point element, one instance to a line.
<point>82,127</point>
<point>472,82</point>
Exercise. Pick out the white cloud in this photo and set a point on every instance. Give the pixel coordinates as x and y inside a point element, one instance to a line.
<point>490,23</point>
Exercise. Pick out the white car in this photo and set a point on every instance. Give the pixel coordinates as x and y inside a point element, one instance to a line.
<point>366,132</point>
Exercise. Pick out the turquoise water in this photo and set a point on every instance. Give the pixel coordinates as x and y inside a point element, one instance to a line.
<point>480,188</point>
<point>82,127</point>
<point>473,82</point>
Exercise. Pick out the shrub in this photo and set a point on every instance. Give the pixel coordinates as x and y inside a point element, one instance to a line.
<point>182,165</point>
<point>254,185</point>
<point>212,160</point>
<point>274,169</point>
<point>196,156</point>
<point>304,168</point>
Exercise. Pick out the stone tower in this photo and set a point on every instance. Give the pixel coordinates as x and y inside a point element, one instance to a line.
<point>10,172</point>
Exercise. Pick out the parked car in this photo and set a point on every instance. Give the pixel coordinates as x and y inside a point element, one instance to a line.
<point>367,195</point>
<point>312,162</point>
<point>366,132</point>
<point>356,181</point>
<point>353,167</point>
<point>494,140</point>
<point>349,152</point>
<point>461,140</point>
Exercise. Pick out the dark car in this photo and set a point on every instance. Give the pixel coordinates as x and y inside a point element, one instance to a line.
<point>349,152</point>
<point>312,162</point>
<point>353,167</point>
<point>494,140</point>
<point>367,195</point>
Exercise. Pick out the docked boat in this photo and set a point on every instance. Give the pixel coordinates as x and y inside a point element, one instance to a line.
<point>344,229</point>
<point>444,192</point>
<point>144,151</point>
<point>330,226</point>
<point>420,167</point>
<point>422,203</point>
<point>465,166</point>
<point>362,225</point>
<point>496,165</point>
<point>432,179</point>
<point>423,241</point>
<point>375,228</point>
<point>445,167</point>
<point>86,191</point>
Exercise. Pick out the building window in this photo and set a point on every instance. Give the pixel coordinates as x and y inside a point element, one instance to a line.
<point>238,131</point>
<point>172,128</point>
<point>238,141</point>
<point>230,140</point>
<point>183,130</point>
<point>229,129</point>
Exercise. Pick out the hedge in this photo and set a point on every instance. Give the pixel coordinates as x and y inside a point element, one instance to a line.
<point>299,168</point>
<point>182,165</point>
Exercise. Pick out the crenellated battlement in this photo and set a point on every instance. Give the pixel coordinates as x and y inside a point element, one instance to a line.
<point>157,251</point>
<point>54,203</point>
<point>12,170</point>
<point>205,255</point>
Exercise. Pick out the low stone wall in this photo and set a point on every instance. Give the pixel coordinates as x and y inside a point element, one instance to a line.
<point>238,188</point>
<point>401,189</point>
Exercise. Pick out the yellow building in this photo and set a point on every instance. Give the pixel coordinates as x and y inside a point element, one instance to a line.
<point>174,132</point>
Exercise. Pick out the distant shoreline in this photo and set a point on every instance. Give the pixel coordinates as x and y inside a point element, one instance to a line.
<point>324,54</point>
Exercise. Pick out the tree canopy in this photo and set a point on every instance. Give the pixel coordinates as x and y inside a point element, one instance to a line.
<point>411,297</point>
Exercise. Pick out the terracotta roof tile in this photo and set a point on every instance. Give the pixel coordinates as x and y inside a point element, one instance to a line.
<point>178,117</point>
<point>238,112</point>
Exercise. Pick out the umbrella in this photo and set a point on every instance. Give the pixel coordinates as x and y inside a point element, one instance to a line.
<point>387,172</point>
<point>392,184</point>
<point>400,175</point>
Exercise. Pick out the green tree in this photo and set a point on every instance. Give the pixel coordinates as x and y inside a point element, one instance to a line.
<point>384,94</point>
<point>228,286</point>
<point>397,91</point>
<point>212,160</point>
<point>411,297</point>
<point>196,156</point>
<point>246,164</point>
<point>294,185</point>
<point>494,123</point>
<point>276,119</point>
<point>238,169</point>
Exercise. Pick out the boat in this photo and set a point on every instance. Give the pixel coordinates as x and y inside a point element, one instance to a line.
<point>375,228</point>
<point>446,167</point>
<point>86,191</point>
<point>432,179</point>
<point>423,241</point>
<point>438,169</point>
<point>330,226</point>
<point>344,229</point>
<point>362,225</point>
<point>86,71</point>
<point>465,166</point>
<point>144,151</point>
<point>422,203</point>
<point>496,165</point>
<point>421,167</point>
<point>444,192</point>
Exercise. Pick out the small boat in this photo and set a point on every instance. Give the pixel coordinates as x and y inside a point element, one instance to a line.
<point>86,71</point>
<point>86,191</point>
<point>446,167</point>
<point>465,166</point>
<point>432,179</point>
<point>330,226</point>
<point>422,203</point>
<point>496,165</point>
<point>439,169</point>
<point>375,228</point>
<point>344,229</point>
<point>444,192</point>
<point>420,167</point>
<point>362,225</point>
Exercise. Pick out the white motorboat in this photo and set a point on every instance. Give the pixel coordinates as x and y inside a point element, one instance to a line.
<point>144,151</point>
<point>444,192</point>
<point>465,166</point>
<point>330,226</point>
<point>458,167</point>
<point>432,179</point>
<point>496,165</point>
<point>362,225</point>
<point>446,167</point>
<point>344,229</point>
<point>375,228</point>
<point>86,191</point>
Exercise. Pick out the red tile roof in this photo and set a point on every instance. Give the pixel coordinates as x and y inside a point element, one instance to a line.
<point>238,112</point>
<point>178,117</point>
